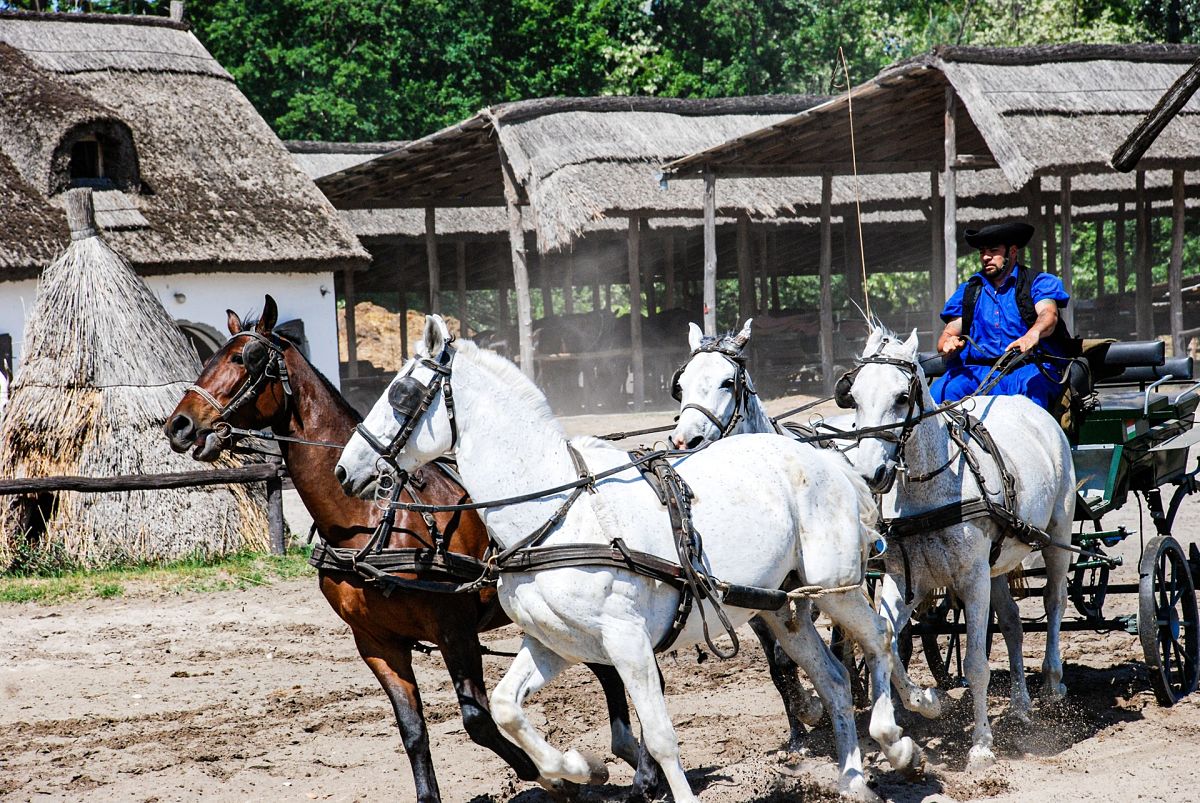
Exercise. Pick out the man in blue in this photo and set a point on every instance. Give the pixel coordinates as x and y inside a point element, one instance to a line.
<point>1004,306</point>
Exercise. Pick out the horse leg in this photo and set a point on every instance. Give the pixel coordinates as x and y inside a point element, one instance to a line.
<point>648,778</point>
<point>392,667</point>
<point>926,702</point>
<point>629,648</point>
<point>1054,597</point>
<point>534,667</point>
<point>872,632</point>
<point>800,706</point>
<point>464,662</point>
<point>976,598</point>
<point>796,633</point>
<point>1009,618</point>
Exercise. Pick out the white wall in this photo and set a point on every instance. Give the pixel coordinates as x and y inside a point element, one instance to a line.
<point>205,297</point>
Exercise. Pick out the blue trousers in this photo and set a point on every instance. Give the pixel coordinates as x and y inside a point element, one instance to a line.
<point>962,380</point>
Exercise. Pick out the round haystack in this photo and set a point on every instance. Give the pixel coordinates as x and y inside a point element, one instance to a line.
<point>103,366</point>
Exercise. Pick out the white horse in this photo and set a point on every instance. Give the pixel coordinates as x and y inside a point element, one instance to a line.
<point>890,387</point>
<point>717,399</point>
<point>768,509</point>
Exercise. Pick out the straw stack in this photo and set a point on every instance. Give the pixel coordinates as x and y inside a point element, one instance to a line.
<point>103,366</point>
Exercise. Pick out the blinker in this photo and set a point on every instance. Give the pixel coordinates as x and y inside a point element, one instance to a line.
<point>406,395</point>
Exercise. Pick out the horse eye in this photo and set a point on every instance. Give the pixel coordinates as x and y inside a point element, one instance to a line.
<point>236,359</point>
<point>902,399</point>
<point>727,384</point>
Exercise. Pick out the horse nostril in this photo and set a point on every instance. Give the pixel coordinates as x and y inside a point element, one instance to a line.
<point>339,474</point>
<point>696,441</point>
<point>179,425</point>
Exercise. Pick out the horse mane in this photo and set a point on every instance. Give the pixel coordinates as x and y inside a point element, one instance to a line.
<point>511,377</point>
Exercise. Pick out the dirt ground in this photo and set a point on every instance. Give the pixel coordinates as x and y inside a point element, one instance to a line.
<point>260,695</point>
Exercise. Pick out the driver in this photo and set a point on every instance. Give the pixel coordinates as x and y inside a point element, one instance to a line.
<point>1005,306</point>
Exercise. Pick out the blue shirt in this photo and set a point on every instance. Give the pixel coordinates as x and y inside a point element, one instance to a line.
<point>997,321</point>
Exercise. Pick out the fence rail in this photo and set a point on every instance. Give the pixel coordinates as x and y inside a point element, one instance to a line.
<point>272,473</point>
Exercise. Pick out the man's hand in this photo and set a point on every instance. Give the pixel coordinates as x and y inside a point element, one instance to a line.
<point>1025,342</point>
<point>951,344</point>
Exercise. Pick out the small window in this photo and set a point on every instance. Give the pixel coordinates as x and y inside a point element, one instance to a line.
<point>87,162</point>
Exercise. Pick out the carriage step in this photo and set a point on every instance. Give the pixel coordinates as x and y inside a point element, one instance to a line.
<point>759,599</point>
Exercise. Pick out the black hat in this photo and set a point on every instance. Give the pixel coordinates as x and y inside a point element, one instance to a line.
<point>1010,233</point>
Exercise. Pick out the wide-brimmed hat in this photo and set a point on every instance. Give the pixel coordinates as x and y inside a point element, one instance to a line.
<point>1011,233</point>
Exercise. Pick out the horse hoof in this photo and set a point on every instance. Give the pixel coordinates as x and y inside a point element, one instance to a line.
<point>910,762</point>
<point>980,758</point>
<point>563,791</point>
<point>594,768</point>
<point>811,713</point>
<point>1055,692</point>
<point>856,789</point>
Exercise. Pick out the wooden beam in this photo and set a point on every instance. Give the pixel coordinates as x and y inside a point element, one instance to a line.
<point>1101,278</point>
<point>745,272</point>
<point>1051,239</point>
<point>1065,246</point>
<point>1175,274</point>
<point>784,170</point>
<point>648,286</point>
<point>516,244</point>
<point>669,270</point>
<point>351,325</point>
<point>542,270</point>
<point>826,278</point>
<point>1034,201</point>
<point>937,264</point>
<point>1143,279</point>
<point>431,256</point>
<point>710,254</point>
<point>460,259</point>
<point>950,193</point>
<point>403,324</point>
<point>1119,247</point>
<point>635,312</point>
<point>764,271</point>
<point>1126,157</point>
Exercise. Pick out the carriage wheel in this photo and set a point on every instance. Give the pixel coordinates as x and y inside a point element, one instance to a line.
<point>1088,587</point>
<point>1167,620</point>
<point>944,650</point>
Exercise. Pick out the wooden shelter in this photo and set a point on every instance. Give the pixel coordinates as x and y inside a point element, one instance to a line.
<point>191,184</point>
<point>1024,114</point>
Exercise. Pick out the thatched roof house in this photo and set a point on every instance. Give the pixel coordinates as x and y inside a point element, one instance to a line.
<point>189,179</point>
<point>104,365</point>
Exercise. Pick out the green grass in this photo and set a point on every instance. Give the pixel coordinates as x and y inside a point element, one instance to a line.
<point>239,571</point>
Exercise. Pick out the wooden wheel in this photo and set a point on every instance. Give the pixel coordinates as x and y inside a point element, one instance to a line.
<point>1167,619</point>
<point>943,645</point>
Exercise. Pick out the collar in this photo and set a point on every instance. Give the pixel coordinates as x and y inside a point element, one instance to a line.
<point>1009,281</point>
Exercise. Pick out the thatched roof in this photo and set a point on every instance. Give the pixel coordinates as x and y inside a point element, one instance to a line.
<point>577,161</point>
<point>204,185</point>
<point>102,367</point>
<point>1030,111</point>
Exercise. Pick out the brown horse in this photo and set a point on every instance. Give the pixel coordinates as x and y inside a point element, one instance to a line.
<point>245,388</point>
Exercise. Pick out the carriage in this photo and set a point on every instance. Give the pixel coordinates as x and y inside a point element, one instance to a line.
<point>1130,440</point>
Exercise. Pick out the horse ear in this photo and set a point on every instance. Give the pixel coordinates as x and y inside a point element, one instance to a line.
<point>233,321</point>
<point>911,344</point>
<point>743,337</point>
<point>873,337</point>
<point>695,336</point>
<point>436,336</point>
<point>269,317</point>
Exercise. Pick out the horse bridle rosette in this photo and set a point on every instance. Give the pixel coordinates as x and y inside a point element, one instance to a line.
<point>262,358</point>
<point>742,387</point>
<point>410,398</point>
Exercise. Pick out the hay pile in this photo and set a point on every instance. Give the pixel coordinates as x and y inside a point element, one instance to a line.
<point>378,332</point>
<point>103,366</point>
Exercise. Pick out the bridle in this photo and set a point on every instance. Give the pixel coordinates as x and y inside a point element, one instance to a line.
<point>743,388</point>
<point>410,398</point>
<point>262,357</point>
<point>916,400</point>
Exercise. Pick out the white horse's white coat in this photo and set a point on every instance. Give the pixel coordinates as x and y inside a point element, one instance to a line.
<point>764,505</point>
<point>708,380</point>
<point>1036,453</point>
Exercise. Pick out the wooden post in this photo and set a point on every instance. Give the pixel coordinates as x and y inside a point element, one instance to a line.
<point>542,269</point>
<point>596,303</point>
<point>648,286</point>
<point>826,277</point>
<point>516,243</point>
<point>403,325</point>
<point>669,271</point>
<point>275,528</point>
<point>1035,205</point>
<point>937,264</point>
<point>710,253</point>
<point>460,253</point>
<point>764,269</point>
<point>431,255</point>
<point>950,202</point>
<point>635,312</point>
<point>568,288</point>
<point>1051,240</point>
<point>1143,280</point>
<point>745,272</point>
<point>1101,291</point>
<point>1175,275</point>
<point>502,307</point>
<point>1119,247</point>
<point>351,325</point>
<point>1065,245</point>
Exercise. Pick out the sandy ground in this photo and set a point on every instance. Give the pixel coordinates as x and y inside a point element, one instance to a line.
<point>260,695</point>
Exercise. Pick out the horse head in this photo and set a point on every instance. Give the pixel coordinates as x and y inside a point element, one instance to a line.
<point>886,387</point>
<point>411,423</point>
<point>244,385</point>
<point>712,387</point>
